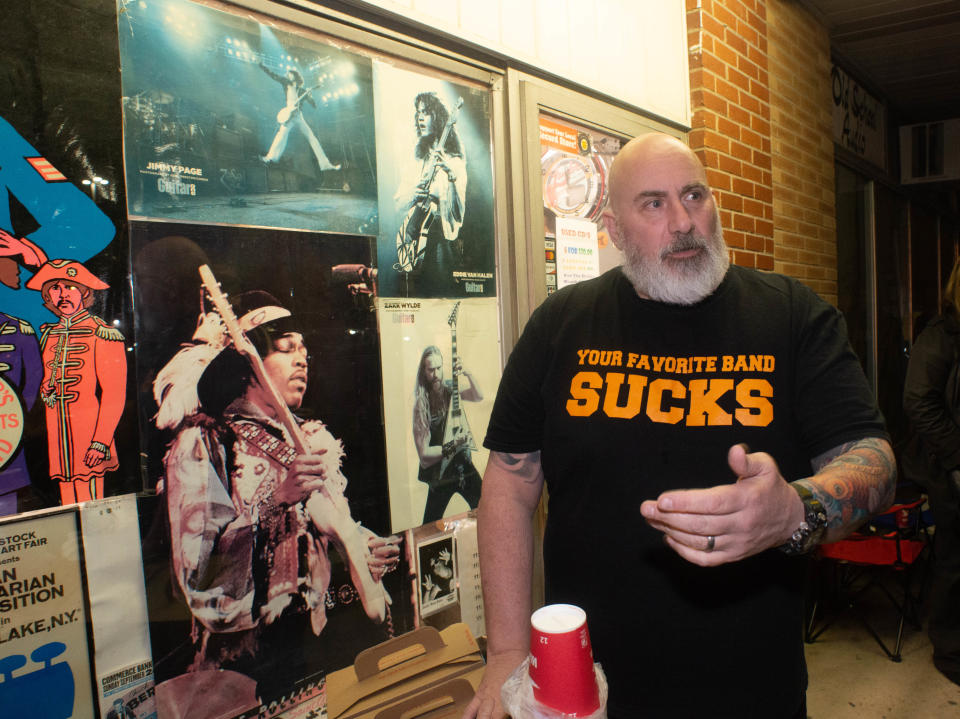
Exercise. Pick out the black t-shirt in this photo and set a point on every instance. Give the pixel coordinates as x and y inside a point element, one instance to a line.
<point>628,398</point>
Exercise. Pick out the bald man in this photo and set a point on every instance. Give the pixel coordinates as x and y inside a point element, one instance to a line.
<point>699,427</point>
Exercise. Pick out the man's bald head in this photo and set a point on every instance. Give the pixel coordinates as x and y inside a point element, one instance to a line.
<point>644,150</point>
<point>663,218</point>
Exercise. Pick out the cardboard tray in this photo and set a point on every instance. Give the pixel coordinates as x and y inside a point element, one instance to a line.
<point>425,674</point>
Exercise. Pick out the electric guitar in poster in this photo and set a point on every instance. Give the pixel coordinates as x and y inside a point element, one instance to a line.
<point>332,516</point>
<point>286,113</point>
<point>457,438</point>
<point>412,235</point>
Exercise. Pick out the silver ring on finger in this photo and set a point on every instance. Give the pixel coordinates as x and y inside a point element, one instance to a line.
<point>711,543</point>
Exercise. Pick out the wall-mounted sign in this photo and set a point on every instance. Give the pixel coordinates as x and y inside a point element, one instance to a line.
<point>859,119</point>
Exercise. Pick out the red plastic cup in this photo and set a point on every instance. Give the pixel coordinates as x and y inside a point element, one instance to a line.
<point>561,660</point>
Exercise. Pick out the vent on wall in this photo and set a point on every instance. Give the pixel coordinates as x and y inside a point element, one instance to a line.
<point>930,152</point>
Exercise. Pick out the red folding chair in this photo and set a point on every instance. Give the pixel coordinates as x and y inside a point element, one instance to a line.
<point>892,543</point>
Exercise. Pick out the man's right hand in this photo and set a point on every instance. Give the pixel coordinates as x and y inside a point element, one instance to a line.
<point>304,477</point>
<point>486,703</point>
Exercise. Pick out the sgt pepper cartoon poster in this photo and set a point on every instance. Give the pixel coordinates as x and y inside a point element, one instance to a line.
<point>230,120</point>
<point>442,368</point>
<point>435,186</point>
<point>63,214</point>
<point>318,290</point>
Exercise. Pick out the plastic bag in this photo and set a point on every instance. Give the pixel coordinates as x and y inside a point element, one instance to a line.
<point>518,700</point>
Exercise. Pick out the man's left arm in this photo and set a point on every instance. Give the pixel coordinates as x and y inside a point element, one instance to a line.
<point>852,481</point>
<point>762,510</point>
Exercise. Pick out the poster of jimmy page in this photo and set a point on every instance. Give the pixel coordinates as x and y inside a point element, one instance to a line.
<point>434,159</point>
<point>441,362</point>
<point>263,432</point>
<point>229,120</point>
<point>574,164</point>
<point>63,259</point>
<point>45,659</point>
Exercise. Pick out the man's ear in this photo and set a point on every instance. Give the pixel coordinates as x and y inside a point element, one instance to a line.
<point>610,223</point>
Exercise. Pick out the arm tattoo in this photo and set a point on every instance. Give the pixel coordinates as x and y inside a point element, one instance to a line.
<point>525,466</point>
<point>853,481</point>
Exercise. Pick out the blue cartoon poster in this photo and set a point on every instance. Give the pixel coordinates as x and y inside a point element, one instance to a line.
<point>45,660</point>
<point>228,120</point>
<point>64,287</point>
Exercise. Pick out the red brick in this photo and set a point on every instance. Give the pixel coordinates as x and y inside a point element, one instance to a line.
<point>725,54</point>
<point>739,79</point>
<point>734,238</point>
<point>744,259</point>
<point>713,102</point>
<point>746,224</point>
<point>748,68</point>
<point>765,262</point>
<point>752,173</point>
<point>749,33</point>
<point>743,187</point>
<point>716,141</point>
<point>760,125</point>
<point>713,64</point>
<point>761,92</point>
<point>724,16</point>
<point>752,207</point>
<point>729,164</point>
<point>712,25</point>
<point>741,152</point>
<point>736,42</point>
<point>728,128</point>
<point>755,243</point>
<point>765,227</point>
<point>749,137</point>
<point>704,119</point>
<point>718,180</point>
<point>731,201</point>
<point>727,90</point>
<point>749,102</point>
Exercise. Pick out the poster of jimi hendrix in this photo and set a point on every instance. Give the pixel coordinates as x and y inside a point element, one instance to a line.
<point>444,368</point>
<point>436,186</point>
<point>65,321</point>
<point>228,120</point>
<point>268,553</point>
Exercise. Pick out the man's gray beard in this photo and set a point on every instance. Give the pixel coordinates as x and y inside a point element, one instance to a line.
<point>679,282</point>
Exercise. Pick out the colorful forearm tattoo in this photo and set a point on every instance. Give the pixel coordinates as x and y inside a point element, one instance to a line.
<point>854,481</point>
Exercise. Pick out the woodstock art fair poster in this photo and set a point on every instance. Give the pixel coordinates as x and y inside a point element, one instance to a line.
<point>44,648</point>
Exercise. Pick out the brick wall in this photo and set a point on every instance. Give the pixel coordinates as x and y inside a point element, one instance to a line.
<point>760,95</point>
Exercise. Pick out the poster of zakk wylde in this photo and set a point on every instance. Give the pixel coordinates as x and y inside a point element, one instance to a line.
<point>230,120</point>
<point>441,371</point>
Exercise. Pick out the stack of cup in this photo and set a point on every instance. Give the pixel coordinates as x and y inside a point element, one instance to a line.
<point>561,661</point>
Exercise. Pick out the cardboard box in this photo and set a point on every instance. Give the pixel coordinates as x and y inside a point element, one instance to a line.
<point>424,673</point>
